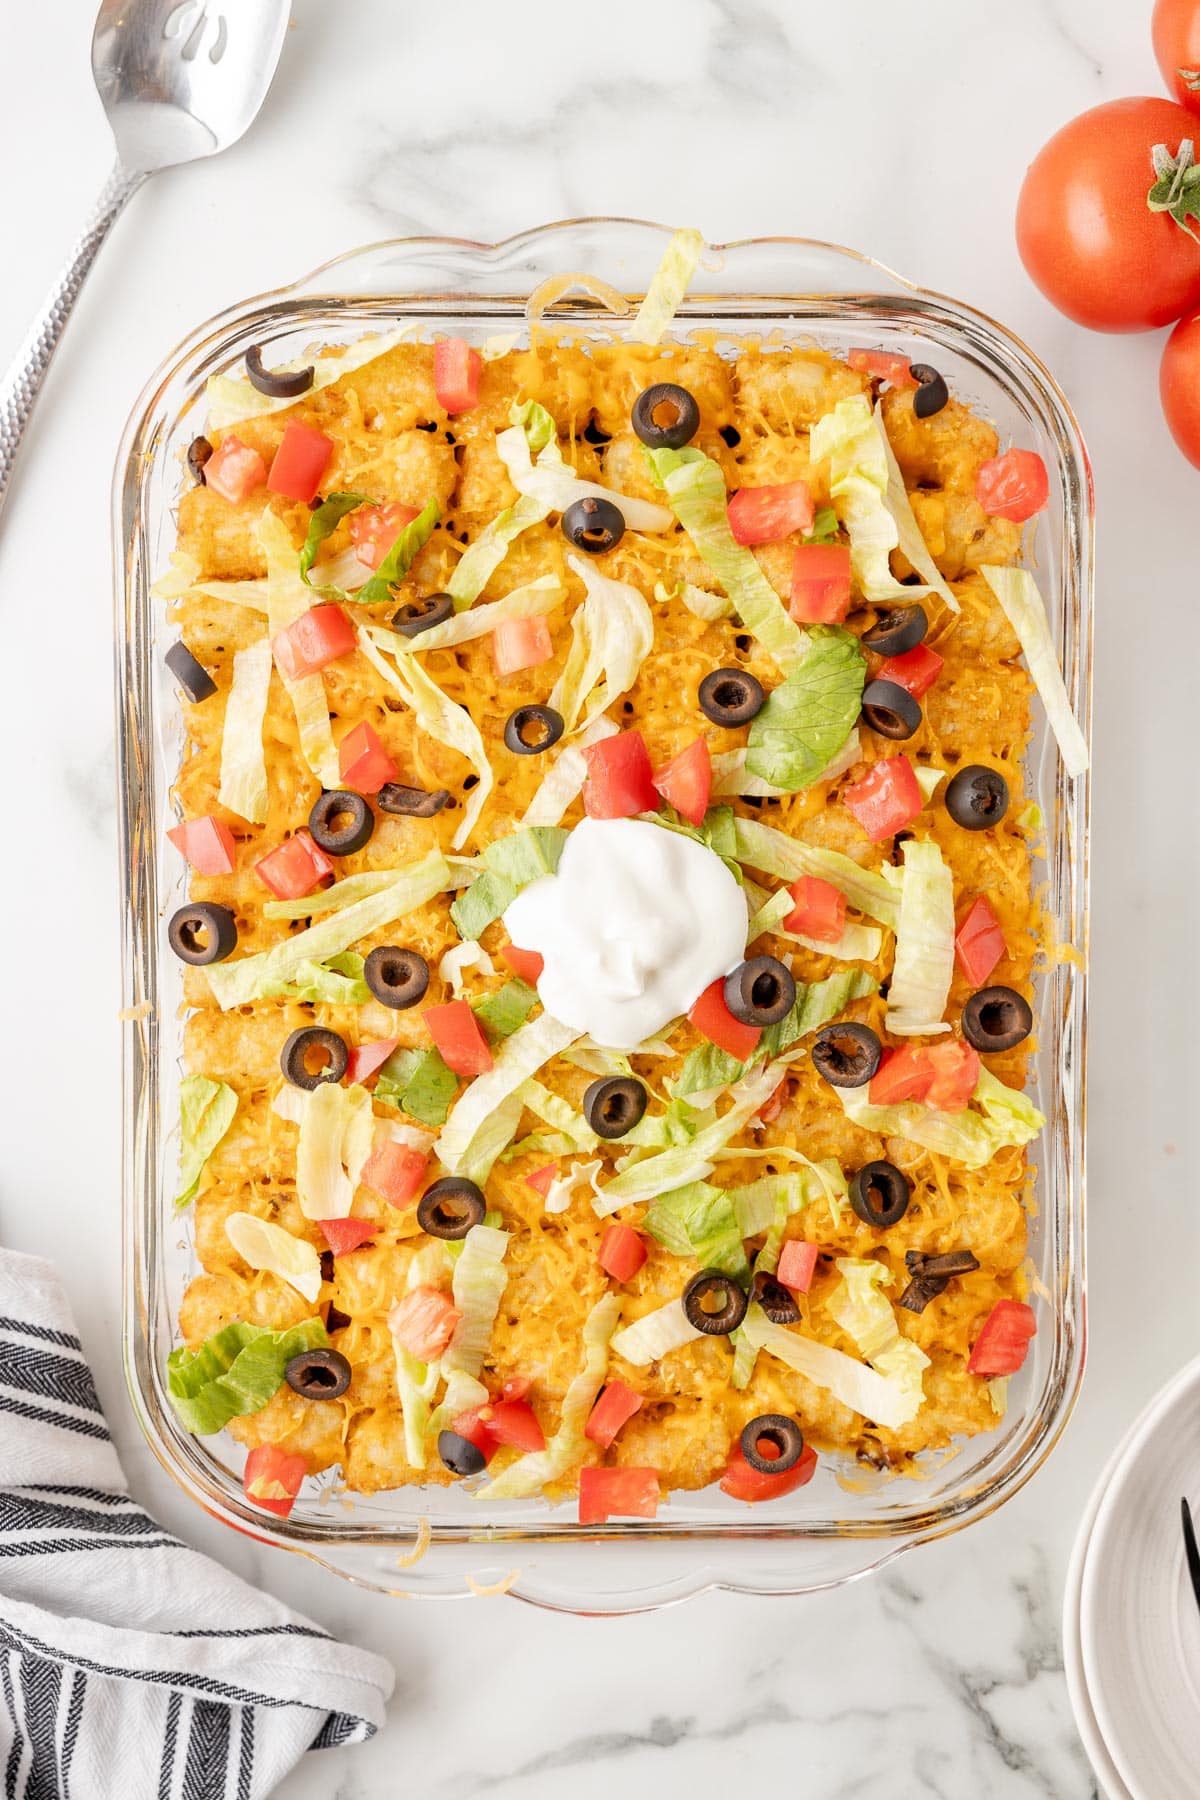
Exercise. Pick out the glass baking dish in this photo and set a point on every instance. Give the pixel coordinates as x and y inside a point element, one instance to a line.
<point>844,1523</point>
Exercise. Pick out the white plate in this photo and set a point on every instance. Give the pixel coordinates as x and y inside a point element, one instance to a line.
<point>1111,1785</point>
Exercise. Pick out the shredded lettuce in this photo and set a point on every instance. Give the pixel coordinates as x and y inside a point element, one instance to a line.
<point>858,943</point>
<point>1018,594</point>
<point>650,1338</point>
<point>1007,1117</point>
<point>855,1384</point>
<point>924,965</point>
<point>612,633</point>
<point>533,601</point>
<point>400,558</point>
<point>508,865</point>
<point>699,602</point>
<point>338,981</point>
<point>667,287</point>
<point>288,599</point>
<point>267,1246</point>
<point>492,1138</point>
<point>858,478</point>
<point>415,1384</point>
<point>707,1069</point>
<point>243,782</point>
<point>553,1110</point>
<point>336,1133</point>
<point>563,1188</point>
<point>551,482</point>
<point>866,1315</point>
<point>756,1204</point>
<point>928,780</point>
<point>912,544</point>
<point>675,1168</point>
<point>419,1083</point>
<point>815,1004</point>
<point>808,718</point>
<point>323,522</point>
<point>787,858</point>
<point>331,899</point>
<point>460,957</point>
<point>480,561</point>
<point>730,774</point>
<point>502,1012</point>
<point>206,1110</point>
<point>479,1282</point>
<point>231,399</point>
<point>679,1124</point>
<point>563,782</point>
<point>234,1372</point>
<point>699,1221</point>
<point>518,1057</point>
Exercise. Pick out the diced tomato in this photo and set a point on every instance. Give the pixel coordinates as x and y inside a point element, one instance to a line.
<point>504,1421</point>
<point>903,1074</point>
<point>272,1478</point>
<point>980,943</point>
<point>615,1407</point>
<point>820,584</point>
<point>234,470</point>
<point>469,1425</point>
<point>294,868</point>
<point>516,1387</point>
<point>621,1493</point>
<point>528,964</point>
<point>367,1059</point>
<point>396,1172</point>
<point>955,1074</point>
<point>1003,1344</point>
<point>344,1235</point>
<point>745,1483</point>
<point>916,670</point>
<point>883,367</point>
<point>686,782</point>
<point>619,781</point>
<point>456,372</point>
<point>775,1102</point>
<point>363,763</point>
<point>459,1037</point>
<point>316,638</point>
<point>520,644</point>
<point>207,844</point>
<point>886,799</point>
<point>300,461</point>
<point>622,1252</point>
<point>713,1020</point>
<point>820,910</point>
<point>797,1264</point>
<point>763,515</point>
<point>374,529</point>
<point>1013,486</point>
<point>542,1179</point>
<point>423,1322</point>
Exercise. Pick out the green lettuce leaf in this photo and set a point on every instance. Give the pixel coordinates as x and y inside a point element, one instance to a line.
<point>400,558</point>
<point>324,522</point>
<point>675,1168</point>
<point>206,1110</point>
<point>338,981</point>
<point>808,718</point>
<point>667,287</point>
<point>234,1372</point>
<point>571,1128</point>
<point>509,864</point>
<point>419,1083</point>
<point>1006,1117</point>
<point>699,1221</point>
<point>815,1004</point>
<point>924,965</point>
<point>243,780</point>
<point>705,1070</point>
<point>502,1012</point>
<point>612,633</point>
<point>1018,594</point>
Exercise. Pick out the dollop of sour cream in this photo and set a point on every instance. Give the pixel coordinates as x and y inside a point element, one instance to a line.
<point>637,922</point>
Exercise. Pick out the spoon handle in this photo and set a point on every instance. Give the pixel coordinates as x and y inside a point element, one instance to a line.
<point>24,376</point>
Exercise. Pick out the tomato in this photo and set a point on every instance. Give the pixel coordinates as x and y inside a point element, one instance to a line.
<point>686,782</point>
<point>367,1059</point>
<point>520,644</point>
<point>615,1407</point>
<point>423,1322</point>
<point>763,515</point>
<point>886,799</point>
<point>374,529</point>
<point>1179,386</point>
<point>713,1020</point>
<point>528,964</point>
<point>955,1074</point>
<point>516,1387</point>
<point>233,470</point>
<point>819,912</point>
<point>396,1172</point>
<point>628,1493</point>
<point>1003,1344</point>
<point>363,763</point>
<point>744,1483</point>
<point>797,1265</point>
<point>1175,29</point>
<point>1085,232</point>
<point>903,1074</point>
<point>979,944</point>
<point>774,1104</point>
<point>622,1252</point>
<point>513,1422</point>
<point>316,638</point>
<point>294,868</point>
<point>272,1479</point>
<point>207,844</point>
<point>300,461</point>
<point>1013,486</point>
<point>883,366</point>
<point>344,1235</point>
<point>619,781</point>
<point>543,1179</point>
<point>820,584</point>
<point>456,372</point>
<point>457,1034</point>
<point>915,671</point>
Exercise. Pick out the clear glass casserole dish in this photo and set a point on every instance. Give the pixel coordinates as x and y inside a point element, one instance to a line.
<point>434,1541</point>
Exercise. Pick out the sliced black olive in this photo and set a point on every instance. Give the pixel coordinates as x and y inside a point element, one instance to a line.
<point>451,1207</point>
<point>890,709</point>
<point>899,630</point>
<point>318,1374</point>
<point>459,1454</point>
<point>919,1292</point>
<point>416,616</point>
<point>396,977</point>
<point>593,524</point>
<point>932,393</point>
<point>341,822</point>
<point>731,697</point>
<point>532,729</point>
<point>281,386</point>
<point>714,1303</point>
<point>327,1266</point>
<point>336,1319</point>
<point>191,675</point>
<point>417,803</point>
<point>778,1302</point>
<point>930,1274</point>
<point>996,1018</point>
<point>198,453</point>
<point>760,991</point>
<point>782,1434</point>
<point>202,933</point>
<point>314,1044</point>
<point>613,1106</point>
<point>977,797</point>
<point>879,1194</point>
<point>665,416</point>
<point>846,1055</point>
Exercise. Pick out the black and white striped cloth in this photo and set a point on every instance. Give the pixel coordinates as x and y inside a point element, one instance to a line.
<point>130,1665</point>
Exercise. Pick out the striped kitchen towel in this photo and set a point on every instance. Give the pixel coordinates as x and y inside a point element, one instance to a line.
<point>130,1665</point>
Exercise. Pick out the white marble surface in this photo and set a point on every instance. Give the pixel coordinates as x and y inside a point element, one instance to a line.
<point>903,130</point>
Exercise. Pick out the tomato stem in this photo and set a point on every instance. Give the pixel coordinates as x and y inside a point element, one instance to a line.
<point>1176,186</point>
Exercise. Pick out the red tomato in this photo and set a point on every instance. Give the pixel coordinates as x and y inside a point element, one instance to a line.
<point>1003,1344</point>
<point>886,799</point>
<point>528,964</point>
<point>513,1422</point>
<point>516,1387</point>
<point>797,1265</point>
<point>300,461</point>
<point>316,638</point>
<point>774,1104</point>
<point>1013,486</point>
<point>233,470</point>
<point>344,1235</point>
<point>627,1493</point>
<point>820,584</point>
<point>543,1179</point>
<point>520,644</point>
<point>619,781</point>
<point>713,1020</point>
<point>820,910</point>
<point>955,1074</point>
<point>763,515</point>
<point>363,763</point>
<point>207,844</point>
<point>272,1479</point>
<point>916,671</point>
<point>457,1034</point>
<point>904,1074</point>
<point>883,367</point>
<point>295,868</point>
<point>367,1059</point>
<point>423,1322</point>
<point>456,372</point>
<point>374,529</point>
<point>396,1172</point>
<point>622,1252</point>
<point>615,1407</point>
<point>745,1483</point>
<point>979,944</point>
<point>1175,30</point>
<point>1179,386</point>
<point>686,782</point>
<point>1085,232</point>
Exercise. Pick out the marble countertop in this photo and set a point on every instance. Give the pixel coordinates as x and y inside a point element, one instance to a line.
<point>902,131</point>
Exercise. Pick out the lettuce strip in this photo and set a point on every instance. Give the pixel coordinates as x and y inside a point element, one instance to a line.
<point>288,599</point>
<point>868,1317</point>
<point>553,1110</point>
<point>656,1333</point>
<point>533,601</point>
<point>675,1168</point>
<point>234,1372</point>
<point>1007,1118</point>
<point>855,1384</point>
<point>858,479</point>
<point>858,943</point>
<point>243,784</point>
<point>552,483</point>
<point>699,1221</point>
<point>924,963</point>
<point>269,1247</point>
<point>507,865</point>
<point>206,1110</point>
<point>324,521</point>
<point>478,1285</point>
<point>667,287</point>
<point>232,398</point>
<point>336,1134</point>
<point>516,1059</point>
<point>912,544</point>
<point>699,602</point>
<point>612,633</point>
<point>1018,594</point>
<point>460,957</point>
<point>787,858</point>
<point>419,1083</point>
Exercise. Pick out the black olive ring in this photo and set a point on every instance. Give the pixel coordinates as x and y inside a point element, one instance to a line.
<point>783,1433</point>
<point>593,525</point>
<point>673,432</point>
<point>397,978</point>
<point>202,933</point>
<point>284,385</point>
<point>899,630</point>
<point>847,1054</point>
<point>318,1374</point>
<point>293,1058</point>
<point>415,803</point>
<point>191,675</point>
<point>551,726</point>
<point>996,1018</point>
<point>760,991</point>
<point>451,1207</point>
<point>731,1312</point>
<point>614,1105</point>
<point>932,393</point>
<point>346,838</point>
<point>459,1454</point>
<point>778,1302</point>
<point>890,709</point>
<point>879,1194</point>
<point>198,453</point>
<point>416,616</point>
<point>731,697</point>
<point>977,797</point>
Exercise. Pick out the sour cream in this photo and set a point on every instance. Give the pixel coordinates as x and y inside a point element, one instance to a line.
<point>637,922</point>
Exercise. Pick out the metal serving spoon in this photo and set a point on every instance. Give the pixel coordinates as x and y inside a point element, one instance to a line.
<point>179,79</point>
